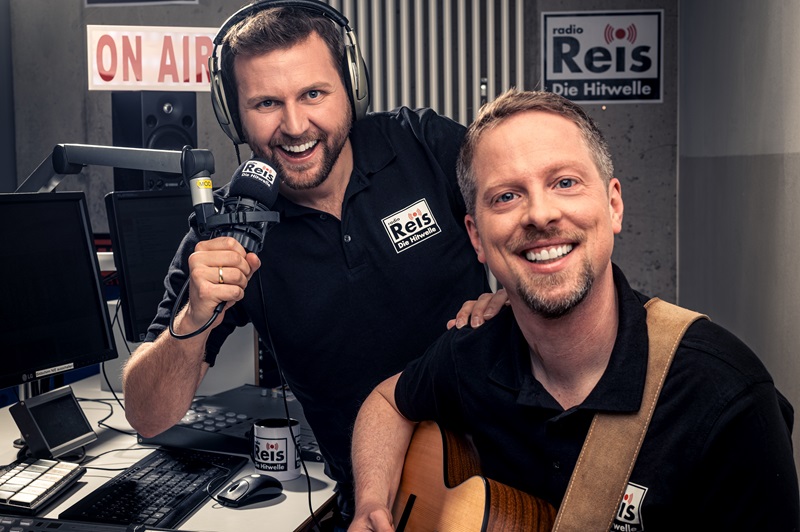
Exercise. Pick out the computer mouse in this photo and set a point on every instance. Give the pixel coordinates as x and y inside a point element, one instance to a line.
<point>250,489</point>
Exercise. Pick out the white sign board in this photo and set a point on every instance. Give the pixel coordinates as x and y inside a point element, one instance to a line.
<point>149,58</point>
<point>604,57</point>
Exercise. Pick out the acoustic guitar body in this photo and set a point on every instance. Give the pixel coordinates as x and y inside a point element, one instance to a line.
<point>441,490</point>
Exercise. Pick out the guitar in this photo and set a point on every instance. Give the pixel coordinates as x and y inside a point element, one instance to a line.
<point>441,490</point>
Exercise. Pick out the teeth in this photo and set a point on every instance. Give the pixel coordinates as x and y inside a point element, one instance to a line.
<point>548,254</point>
<point>301,148</point>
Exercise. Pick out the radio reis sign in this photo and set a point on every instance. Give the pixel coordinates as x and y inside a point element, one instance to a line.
<point>604,57</point>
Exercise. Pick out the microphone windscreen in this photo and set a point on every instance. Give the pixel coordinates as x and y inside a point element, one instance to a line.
<point>256,179</point>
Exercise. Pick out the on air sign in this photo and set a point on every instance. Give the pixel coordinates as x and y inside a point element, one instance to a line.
<point>149,58</point>
<point>604,57</point>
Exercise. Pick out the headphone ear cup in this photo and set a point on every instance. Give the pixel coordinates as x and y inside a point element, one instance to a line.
<point>219,102</point>
<point>356,77</point>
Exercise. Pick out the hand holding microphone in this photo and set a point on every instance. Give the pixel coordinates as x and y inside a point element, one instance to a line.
<point>219,269</point>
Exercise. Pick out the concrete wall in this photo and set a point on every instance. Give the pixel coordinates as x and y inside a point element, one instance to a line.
<point>739,199</point>
<point>53,106</point>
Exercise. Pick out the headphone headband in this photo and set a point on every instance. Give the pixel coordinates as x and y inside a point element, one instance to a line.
<point>310,5</point>
<point>356,76</point>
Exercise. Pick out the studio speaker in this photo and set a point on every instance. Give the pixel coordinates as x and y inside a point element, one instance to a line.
<point>156,121</point>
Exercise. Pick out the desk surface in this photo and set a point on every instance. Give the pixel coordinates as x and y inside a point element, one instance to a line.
<point>288,512</point>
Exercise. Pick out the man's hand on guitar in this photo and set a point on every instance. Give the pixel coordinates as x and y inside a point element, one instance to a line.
<point>477,311</point>
<point>374,517</point>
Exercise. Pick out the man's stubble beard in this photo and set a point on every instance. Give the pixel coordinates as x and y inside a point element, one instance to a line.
<point>330,154</point>
<point>534,292</point>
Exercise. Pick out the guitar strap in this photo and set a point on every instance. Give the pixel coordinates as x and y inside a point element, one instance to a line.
<point>609,452</point>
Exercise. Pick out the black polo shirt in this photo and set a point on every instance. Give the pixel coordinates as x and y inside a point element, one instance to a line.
<point>350,302</point>
<point>717,455</point>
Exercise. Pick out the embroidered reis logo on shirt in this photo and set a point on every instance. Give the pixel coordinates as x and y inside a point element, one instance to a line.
<point>629,514</point>
<point>410,226</point>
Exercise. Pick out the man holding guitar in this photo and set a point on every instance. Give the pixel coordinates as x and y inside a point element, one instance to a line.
<point>543,208</point>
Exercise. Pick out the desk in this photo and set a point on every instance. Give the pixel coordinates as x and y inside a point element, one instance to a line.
<point>288,512</point>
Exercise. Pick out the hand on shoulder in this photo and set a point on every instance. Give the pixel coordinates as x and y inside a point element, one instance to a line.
<point>477,311</point>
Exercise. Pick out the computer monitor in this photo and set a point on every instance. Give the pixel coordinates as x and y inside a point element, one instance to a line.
<point>146,227</point>
<point>55,318</point>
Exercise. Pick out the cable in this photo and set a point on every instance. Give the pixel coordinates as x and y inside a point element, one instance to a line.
<point>238,155</point>
<point>175,309</point>
<point>111,388</point>
<point>95,457</point>
<point>116,321</point>
<point>101,423</point>
<point>285,385</point>
<point>208,489</point>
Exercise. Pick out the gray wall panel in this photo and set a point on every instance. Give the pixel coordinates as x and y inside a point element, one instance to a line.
<point>739,199</point>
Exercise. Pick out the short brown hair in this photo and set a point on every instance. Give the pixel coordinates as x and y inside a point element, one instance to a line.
<point>276,28</point>
<point>513,102</point>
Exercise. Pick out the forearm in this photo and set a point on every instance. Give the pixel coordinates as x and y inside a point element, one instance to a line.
<point>160,380</point>
<point>380,441</point>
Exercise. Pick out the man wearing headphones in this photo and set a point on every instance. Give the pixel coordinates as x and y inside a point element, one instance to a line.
<point>370,258</point>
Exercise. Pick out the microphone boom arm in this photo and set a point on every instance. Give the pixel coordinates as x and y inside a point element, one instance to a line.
<point>67,159</point>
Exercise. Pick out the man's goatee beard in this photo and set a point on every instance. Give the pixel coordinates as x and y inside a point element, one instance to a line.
<point>561,307</point>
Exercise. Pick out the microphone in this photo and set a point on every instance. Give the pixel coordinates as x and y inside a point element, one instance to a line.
<point>201,188</point>
<point>196,166</point>
<point>246,214</point>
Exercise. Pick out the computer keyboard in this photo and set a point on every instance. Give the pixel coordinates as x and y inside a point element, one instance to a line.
<point>161,490</point>
<point>30,484</point>
<point>223,422</point>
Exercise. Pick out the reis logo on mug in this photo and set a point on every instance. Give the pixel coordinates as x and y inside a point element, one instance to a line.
<point>274,451</point>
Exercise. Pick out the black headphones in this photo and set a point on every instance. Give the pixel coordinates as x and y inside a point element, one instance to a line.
<point>356,76</point>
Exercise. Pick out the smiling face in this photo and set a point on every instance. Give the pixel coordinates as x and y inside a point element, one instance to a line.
<point>295,111</point>
<point>544,218</point>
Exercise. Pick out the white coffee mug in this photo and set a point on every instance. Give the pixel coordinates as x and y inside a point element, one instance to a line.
<point>273,450</point>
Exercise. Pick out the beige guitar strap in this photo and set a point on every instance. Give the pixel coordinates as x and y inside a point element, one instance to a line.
<point>612,444</point>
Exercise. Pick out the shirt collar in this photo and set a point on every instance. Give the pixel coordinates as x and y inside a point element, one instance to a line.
<point>621,387</point>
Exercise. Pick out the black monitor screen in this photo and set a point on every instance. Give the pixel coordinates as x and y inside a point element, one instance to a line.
<point>146,228</point>
<point>55,318</point>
